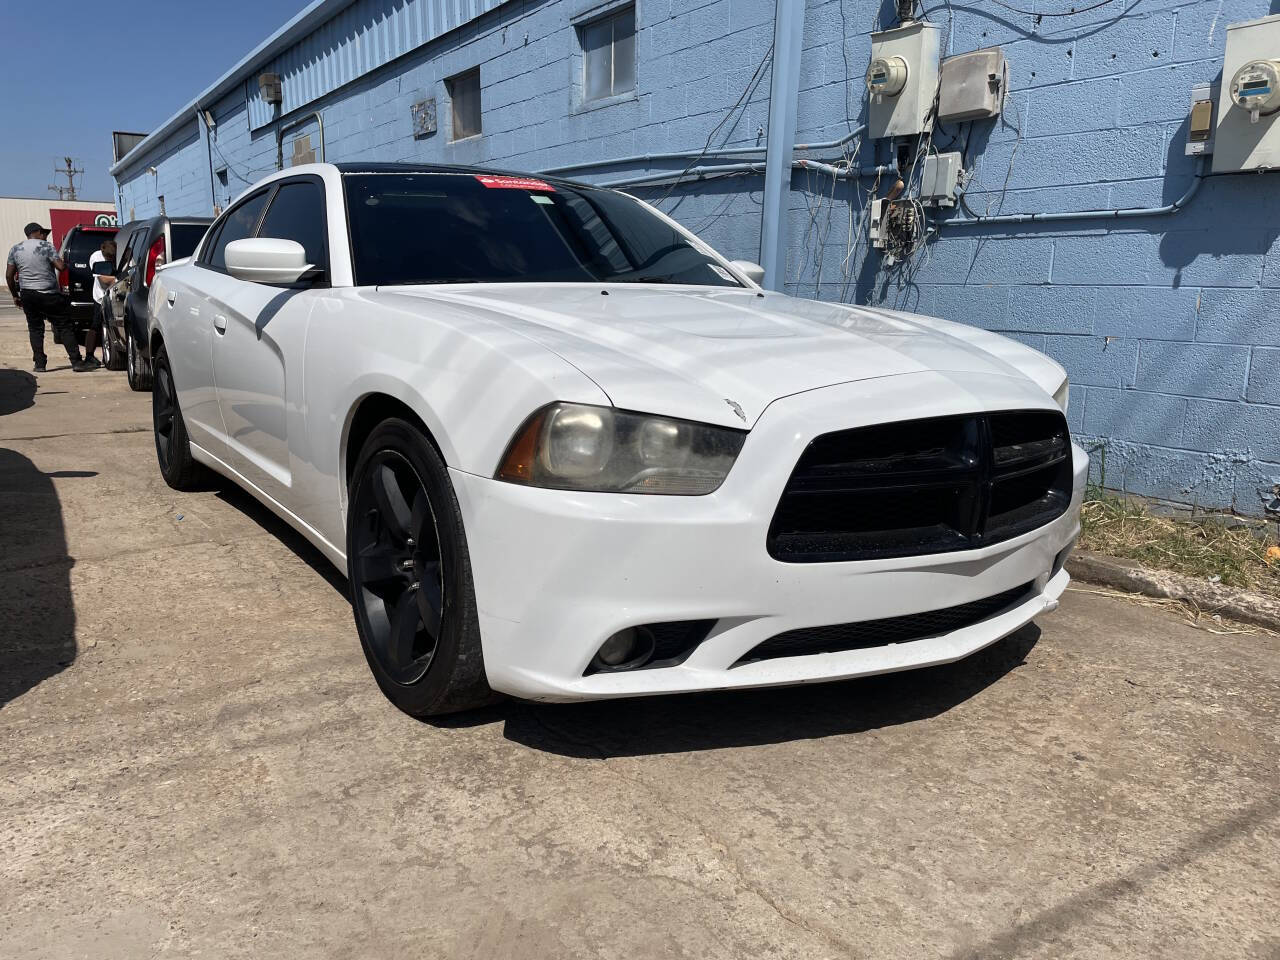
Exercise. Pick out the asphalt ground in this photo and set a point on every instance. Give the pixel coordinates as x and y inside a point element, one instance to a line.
<point>196,763</point>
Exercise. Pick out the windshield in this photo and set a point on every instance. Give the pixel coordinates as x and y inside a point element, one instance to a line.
<point>465,228</point>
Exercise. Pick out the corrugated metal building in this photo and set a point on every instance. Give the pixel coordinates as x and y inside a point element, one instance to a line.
<point>1168,321</point>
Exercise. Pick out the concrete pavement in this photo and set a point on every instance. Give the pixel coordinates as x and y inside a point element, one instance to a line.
<point>196,763</point>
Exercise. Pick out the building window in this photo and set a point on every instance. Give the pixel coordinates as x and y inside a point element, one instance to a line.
<point>464,95</point>
<point>609,55</point>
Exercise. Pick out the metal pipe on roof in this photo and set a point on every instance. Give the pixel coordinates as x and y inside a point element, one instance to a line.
<point>298,122</point>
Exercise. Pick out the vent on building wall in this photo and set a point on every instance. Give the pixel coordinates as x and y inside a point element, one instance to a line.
<point>303,152</point>
<point>424,117</point>
<point>270,88</point>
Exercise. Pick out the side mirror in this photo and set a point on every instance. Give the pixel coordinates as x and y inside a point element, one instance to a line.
<point>752,271</point>
<point>267,260</point>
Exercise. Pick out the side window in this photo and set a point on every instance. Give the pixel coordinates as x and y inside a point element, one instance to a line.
<point>297,213</point>
<point>206,251</point>
<point>124,251</point>
<point>239,225</point>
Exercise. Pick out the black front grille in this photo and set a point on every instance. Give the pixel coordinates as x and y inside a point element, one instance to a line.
<point>878,633</point>
<point>923,486</point>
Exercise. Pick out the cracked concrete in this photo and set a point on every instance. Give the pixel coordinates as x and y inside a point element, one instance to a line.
<point>196,763</point>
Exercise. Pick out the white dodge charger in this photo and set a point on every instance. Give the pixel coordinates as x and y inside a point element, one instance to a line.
<point>562,449</point>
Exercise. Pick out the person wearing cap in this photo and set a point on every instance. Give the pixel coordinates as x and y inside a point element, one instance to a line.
<point>32,275</point>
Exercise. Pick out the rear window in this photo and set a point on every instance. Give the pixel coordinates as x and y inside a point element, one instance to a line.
<point>185,237</point>
<point>83,244</point>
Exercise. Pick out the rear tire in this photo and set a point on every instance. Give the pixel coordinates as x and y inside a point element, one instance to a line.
<point>173,446</point>
<point>410,576</point>
<point>139,371</point>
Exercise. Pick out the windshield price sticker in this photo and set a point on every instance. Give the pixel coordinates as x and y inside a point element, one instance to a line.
<point>515,183</point>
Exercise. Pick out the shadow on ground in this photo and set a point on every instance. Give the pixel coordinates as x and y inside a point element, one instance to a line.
<point>17,391</point>
<point>743,718</point>
<point>711,721</point>
<point>37,617</point>
<point>245,502</point>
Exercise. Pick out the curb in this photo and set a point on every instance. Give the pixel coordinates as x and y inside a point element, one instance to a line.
<point>1242,605</point>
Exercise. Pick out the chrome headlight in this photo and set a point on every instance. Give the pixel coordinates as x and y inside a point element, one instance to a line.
<point>573,446</point>
<point>1062,395</point>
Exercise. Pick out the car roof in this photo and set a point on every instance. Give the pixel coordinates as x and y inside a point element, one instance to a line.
<point>152,221</point>
<point>356,167</point>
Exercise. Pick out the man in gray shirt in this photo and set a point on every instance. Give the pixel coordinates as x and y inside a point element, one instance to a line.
<point>32,276</point>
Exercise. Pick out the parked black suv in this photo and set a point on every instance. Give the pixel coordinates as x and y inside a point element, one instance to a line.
<point>76,281</point>
<point>141,247</point>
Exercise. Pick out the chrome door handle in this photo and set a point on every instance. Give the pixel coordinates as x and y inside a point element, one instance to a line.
<point>172,297</point>
<point>220,323</point>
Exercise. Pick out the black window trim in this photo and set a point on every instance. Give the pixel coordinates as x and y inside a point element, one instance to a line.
<point>325,280</point>
<point>211,238</point>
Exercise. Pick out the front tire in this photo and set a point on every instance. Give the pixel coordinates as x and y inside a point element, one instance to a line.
<point>173,446</point>
<point>139,371</point>
<point>410,576</point>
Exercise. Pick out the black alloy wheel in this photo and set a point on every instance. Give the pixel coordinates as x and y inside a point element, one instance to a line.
<point>173,448</point>
<point>399,578</point>
<point>163,407</point>
<point>410,576</point>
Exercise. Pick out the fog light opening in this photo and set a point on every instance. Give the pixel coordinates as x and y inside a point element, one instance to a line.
<point>627,649</point>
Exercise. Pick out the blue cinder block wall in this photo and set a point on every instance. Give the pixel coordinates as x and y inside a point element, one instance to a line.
<point>1169,326</point>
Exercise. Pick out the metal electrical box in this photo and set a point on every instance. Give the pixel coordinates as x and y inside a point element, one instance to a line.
<point>972,85</point>
<point>902,80</point>
<point>1248,134</point>
<point>879,227</point>
<point>1201,126</point>
<point>940,176</point>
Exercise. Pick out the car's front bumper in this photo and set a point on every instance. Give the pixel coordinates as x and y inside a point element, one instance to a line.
<point>556,572</point>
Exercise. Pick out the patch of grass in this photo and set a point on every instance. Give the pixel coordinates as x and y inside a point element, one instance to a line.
<point>1204,546</point>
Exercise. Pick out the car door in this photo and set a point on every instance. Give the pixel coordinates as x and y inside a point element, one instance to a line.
<point>128,275</point>
<point>259,341</point>
<point>195,310</point>
<point>137,273</point>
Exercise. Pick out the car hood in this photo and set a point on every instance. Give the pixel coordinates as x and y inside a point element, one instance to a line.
<point>723,355</point>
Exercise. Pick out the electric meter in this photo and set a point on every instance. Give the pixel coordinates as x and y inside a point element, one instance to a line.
<point>1256,88</point>
<point>886,77</point>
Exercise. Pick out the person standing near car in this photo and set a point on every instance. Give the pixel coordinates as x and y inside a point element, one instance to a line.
<point>102,279</point>
<point>32,275</point>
